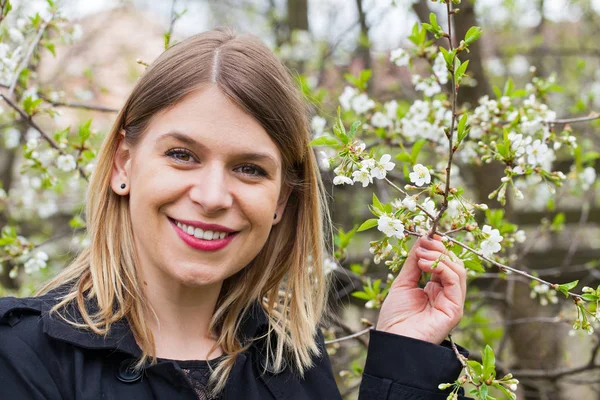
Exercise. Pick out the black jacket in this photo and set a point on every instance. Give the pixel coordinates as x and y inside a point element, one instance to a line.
<point>43,357</point>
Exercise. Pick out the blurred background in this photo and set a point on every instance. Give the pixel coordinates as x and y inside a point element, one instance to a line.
<point>321,42</point>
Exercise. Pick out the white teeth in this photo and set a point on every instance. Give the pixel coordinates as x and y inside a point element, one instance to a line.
<point>200,234</point>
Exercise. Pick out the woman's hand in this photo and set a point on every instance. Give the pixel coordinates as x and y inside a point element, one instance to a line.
<point>430,313</point>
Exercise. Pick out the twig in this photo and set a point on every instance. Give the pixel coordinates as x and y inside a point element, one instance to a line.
<point>450,134</point>
<point>460,357</point>
<point>354,335</point>
<point>591,117</point>
<point>171,24</point>
<point>406,194</point>
<point>28,56</point>
<point>2,5</point>
<point>35,126</point>
<point>90,107</point>
<point>506,267</point>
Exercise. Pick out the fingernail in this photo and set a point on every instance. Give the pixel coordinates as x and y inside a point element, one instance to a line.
<point>423,249</point>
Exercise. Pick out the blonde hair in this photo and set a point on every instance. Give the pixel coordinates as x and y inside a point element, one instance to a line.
<point>291,292</point>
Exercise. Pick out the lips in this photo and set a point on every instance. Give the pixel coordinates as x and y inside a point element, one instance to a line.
<point>199,243</point>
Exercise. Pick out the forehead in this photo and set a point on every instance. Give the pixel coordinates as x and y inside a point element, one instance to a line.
<point>210,118</point>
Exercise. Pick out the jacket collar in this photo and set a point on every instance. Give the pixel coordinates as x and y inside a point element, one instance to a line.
<point>120,337</point>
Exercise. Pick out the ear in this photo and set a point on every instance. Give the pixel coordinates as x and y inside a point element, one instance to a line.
<point>282,202</point>
<point>121,167</point>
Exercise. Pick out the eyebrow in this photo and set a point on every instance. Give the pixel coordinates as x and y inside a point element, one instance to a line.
<point>184,138</point>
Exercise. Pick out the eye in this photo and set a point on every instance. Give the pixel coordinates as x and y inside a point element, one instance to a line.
<point>180,155</point>
<point>252,170</point>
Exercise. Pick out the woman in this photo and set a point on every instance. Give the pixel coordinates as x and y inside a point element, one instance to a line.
<point>203,210</point>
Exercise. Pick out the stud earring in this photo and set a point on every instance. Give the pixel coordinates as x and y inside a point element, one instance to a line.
<point>123,186</point>
<point>275,216</point>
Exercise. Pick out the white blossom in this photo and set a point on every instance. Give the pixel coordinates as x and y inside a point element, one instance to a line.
<point>12,138</point>
<point>318,125</point>
<point>329,265</point>
<point>361,103</point>
<point>409,203</point>
<point>35,263</point>
<point>538,152</point>
<point>491,244</point>
<point>66,162</point>
<point>341,180</point>
<point>588,177</point>
<point>380,169</point>
<point>391,226</point>
<point>391,109</point>
<point>440,69</point>
<point>15,35</point>
<point>400,57</point>
<point>380,120</point>
<point>428,86</point>
<point>346,97</point>
<point>429,206</point>
<point>32,144</point>
<point>420,175</point>
<point>520,236</point>
<point>363,176</point>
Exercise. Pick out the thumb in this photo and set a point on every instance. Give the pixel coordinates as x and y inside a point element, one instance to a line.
<point>410,274</point>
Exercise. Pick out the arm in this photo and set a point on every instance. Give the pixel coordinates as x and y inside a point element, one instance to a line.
<point>23,375</point>
<point>400,367</point>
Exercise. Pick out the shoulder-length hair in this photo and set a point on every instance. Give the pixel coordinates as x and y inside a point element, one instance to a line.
<point>286,277</point>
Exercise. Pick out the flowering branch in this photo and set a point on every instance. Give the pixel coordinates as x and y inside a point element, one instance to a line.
<point>35,126</point>
<point>449,134</point>
<point>28,56</point>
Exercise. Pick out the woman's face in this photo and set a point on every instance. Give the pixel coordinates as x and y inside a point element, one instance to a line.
<point>203,183</point>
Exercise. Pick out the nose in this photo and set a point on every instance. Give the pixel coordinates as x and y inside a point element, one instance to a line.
<point>212,190</point>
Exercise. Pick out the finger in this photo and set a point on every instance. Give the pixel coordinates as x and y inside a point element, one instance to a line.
<point>410,274</point>
<point>451,286</point>
<point>450,259</point>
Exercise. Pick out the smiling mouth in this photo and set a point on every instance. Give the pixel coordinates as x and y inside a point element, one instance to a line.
<point>199,233</point>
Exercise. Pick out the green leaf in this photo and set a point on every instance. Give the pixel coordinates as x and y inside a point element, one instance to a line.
<point>589,297</point>
<point>377,204</point>
<point>489,363</point>
<point>417,149</point>
<point>7,7</point>
<point>30,105</point>
<point>497,91</point>
<point>85,131</point>
<point>474,265</point>
<point>324,141</point>
<point>362,295</point>
<point>77,222</point>
<point>472,35</point>
<point>509,87</point>
<point>404,157</point>
<point>167,38</point>
<point>368,224</point>
<point>36,20</point>
<point>460,71</point>
<point>51,48</point>
<point>477,367</point>
<point>566,287</point>
<point>353,129</point>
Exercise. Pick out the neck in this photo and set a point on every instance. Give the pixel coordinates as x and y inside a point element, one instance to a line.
<point>181,319</point>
